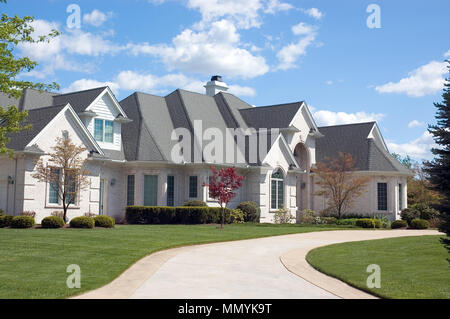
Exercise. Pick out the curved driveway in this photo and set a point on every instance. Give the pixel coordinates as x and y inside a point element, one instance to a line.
<point>241,269</point>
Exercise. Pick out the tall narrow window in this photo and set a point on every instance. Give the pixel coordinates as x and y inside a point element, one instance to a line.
<point>98,130</point>
<point>382,196</point>
<point>150,190</point>
<point>130,190</point>
<point>400,197</point>
<point>53,192</point>
<point>277,190</point>
<point>109,131</point>
<point>170,190</point>
<point>193,187</point>
<point>70,188</point>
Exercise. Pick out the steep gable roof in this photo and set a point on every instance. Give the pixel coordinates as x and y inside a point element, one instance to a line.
<point>79,100</point>
<point>273,116</point>
<point>353,139</point>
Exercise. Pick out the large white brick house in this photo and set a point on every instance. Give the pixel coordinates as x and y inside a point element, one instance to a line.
<point>129,153</point>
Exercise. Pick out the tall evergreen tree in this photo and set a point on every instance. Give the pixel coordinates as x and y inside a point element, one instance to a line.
<point>439,168</point>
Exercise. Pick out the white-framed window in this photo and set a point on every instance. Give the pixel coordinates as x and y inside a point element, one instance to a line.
<point>193,186</point>
<point>277,190</point>
<point>54,188</point>
<point>104,131</point>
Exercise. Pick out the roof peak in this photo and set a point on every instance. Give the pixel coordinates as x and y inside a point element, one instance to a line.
<point>83,91</point>
<point>349,124</point>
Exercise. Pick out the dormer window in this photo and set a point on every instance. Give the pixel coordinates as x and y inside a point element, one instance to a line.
<point>104,131</point>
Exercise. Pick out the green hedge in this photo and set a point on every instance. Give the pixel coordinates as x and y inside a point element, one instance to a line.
<point>104,221</point>
<point>52,222</point>
<point>195,203</point>
<point>82,222</point>
<point>175,215</point>
<point>368,223</point>
<point>419,224</point>
<point>5,221</point>
<point>22,222</point>
<point>399,224</point>
<point>251,211</point>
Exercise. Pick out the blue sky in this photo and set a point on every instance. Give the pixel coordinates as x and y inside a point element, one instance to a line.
<point>268,52</point>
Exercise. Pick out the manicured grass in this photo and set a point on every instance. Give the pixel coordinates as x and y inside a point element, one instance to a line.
<point>411,267</point>
<point>34,261</point>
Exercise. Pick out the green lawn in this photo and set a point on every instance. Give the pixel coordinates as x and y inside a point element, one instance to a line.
<point>411,267</point>
<point>33,262</point>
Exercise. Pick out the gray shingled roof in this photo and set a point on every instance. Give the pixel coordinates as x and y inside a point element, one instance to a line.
<point>352,139</point>
<point>38,118</point>
<point>79,100</point>
<point>274,116</point>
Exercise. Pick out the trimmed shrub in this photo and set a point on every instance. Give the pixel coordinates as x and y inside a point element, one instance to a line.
<point>409,214</point>
<point>53,222</point>
<point>347,221</point>
<point>329,220</point>
<point>104,221</point>
<point>82,222</point>
<point>237,216</point>
<point>22,222</point>
<point>365,223</point>
<point>307,217</point>
<point>282,216</point>
<point>194,203</point>
<point>5,221</point>
<point>2,212</point>
<point>399,224</point>
<point>419,211</point>
<point>251,211</point>
<point>175,215</point>
<point>419,224</point>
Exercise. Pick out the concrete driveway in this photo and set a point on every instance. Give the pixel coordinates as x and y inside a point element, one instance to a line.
<point>241,269</point>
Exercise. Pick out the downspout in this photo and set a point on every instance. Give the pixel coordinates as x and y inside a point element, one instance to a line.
<point>15,186</point>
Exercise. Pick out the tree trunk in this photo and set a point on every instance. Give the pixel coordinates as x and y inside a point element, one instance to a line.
<point>223,217</point>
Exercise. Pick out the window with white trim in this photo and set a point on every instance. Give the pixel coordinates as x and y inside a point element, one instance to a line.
<point>277,190</point>
<point>104,131</point>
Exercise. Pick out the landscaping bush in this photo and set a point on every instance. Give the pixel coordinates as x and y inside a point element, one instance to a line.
<point>419,211</point>
<point>419,224</point>
<point>329,220</point>
<point>53,222</point>
<point>82,222</point>
<point>5,221</point>
<point>282,216</point>
<point>175,215</point>
<point>22,222</point>
<point>251,211</point>
<point>399,224</point>
<point>2,212</point>
<point>194,203</point>
<point>409,214</point>
<point>29,213</point>
<point>104,221</point>
<point>347,221</point>
<point>237,216</point>
<point>366,223</point>
<point>307,217</point>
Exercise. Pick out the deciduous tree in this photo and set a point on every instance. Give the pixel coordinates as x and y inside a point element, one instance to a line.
<point>64,171</point>
<point>337,181</point>
<point>13,32</point>
<point>222,186</point>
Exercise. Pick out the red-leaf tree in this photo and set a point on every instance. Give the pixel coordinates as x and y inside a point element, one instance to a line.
<point>222,185</point>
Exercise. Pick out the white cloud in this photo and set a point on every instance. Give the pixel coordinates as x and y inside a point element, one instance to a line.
<point>329,82</point>
<point>303,29</point>
<point>135,81</point>
<point>327,118</point>
<point>96,17</point>
<point>245,14</point>
<point>288,55</point>
<point>274,6</point>
<point>419,148</point>
<point>427,79</point>
<point>415,123</point>
<point>447,54</point>
<point>85,84</point>
<point>315,13</point>
<point>54,55</point>
<point>215,51</point>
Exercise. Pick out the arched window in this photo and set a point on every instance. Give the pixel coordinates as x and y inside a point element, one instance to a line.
<point>277,190</point>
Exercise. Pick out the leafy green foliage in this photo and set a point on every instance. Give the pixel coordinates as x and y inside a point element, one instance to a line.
<point>52,222</point>
<point>13,32</point>
<point>195,203</point>
<point>82,222</point>
<point>399,224</point>
<point>104,221</point>
<point>22,222</point>
<point>251,210</point>
<point>419,224</point>
<point>5,221</point>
